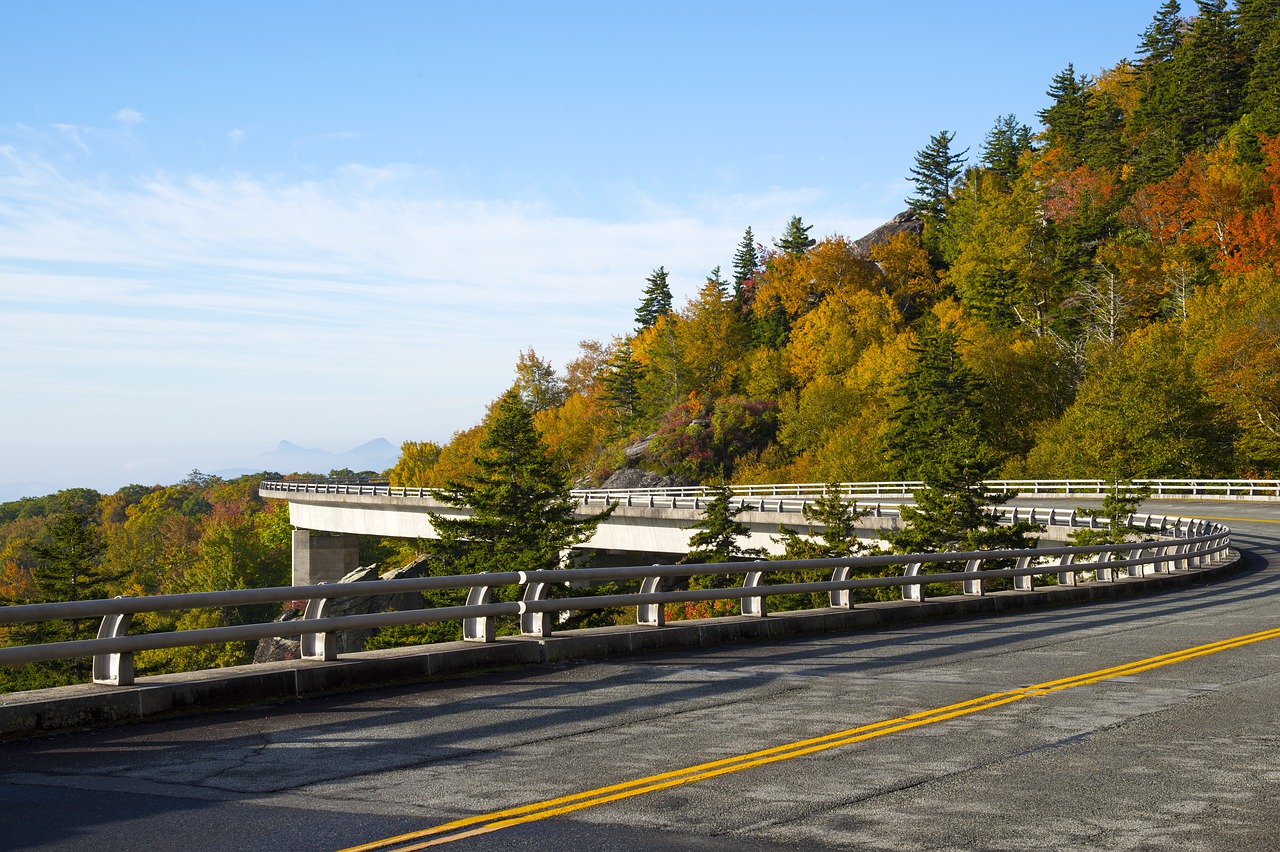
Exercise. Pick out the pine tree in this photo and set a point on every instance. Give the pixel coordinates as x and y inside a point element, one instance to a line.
<point>837,536</point>
<point>1064,120</point>
<point>657,300</point>
<point>622,385</point>
<point>796,239</point>
<point>936,435</point>
<point>1212,76</point>
<point>715,279</point>
<point>934,175</point>
<point>1259,41</point>
<point>522,518</point>
<point>1005,144</point>
<point>746,265</point>
<point>1161,38</point>
<point>70,568</point>
<point>719,531</point>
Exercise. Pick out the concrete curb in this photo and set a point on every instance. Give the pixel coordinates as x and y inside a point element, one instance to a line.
<point>67,708</point>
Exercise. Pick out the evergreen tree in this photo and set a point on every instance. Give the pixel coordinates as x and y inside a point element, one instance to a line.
<point>746,264</point>
<point>1005,144</point>
<point>719,532</point>
<point>1212,76</point>
<point>1064,121</point>
<point>1161,38</point>
<point>1258,23</point>
<point>935,430</point>
<point>1121,500</point>
<point>69,568</point>
<point>656,302</point>
<point>837,536</point>
<point>936,435</point>
<point>622,385</point>
<point>715,279</point>
<point>522,518</point>
<point>796,239</point>
<point>934,175</point>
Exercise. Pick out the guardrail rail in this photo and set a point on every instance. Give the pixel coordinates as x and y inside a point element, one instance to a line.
<point>1172,544</point>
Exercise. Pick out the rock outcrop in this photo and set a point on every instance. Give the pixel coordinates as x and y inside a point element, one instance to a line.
<point>907,221</point>
<point>289,648</point>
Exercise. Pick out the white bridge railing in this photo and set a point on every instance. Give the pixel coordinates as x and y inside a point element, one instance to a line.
<point>1173,544</point>
<point>1160,488</point>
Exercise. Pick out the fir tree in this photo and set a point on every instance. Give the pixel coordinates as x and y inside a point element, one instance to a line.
<point>796,239</point>
<point>936,435</point>
<point>522,518</point>
<point>1064,120</point>
<point>1005,144</point>
<point>622,385</point>
<point>836,537</point>
<point>1161,38</point>
<point>934,175</point>
<point>746,264</point>
<point>1118,504</point>
<point>657,300</point>
<point>719,531</point>
<point>1212,76</point>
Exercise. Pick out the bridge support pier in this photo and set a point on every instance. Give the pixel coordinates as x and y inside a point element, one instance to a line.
<point>322,557</point>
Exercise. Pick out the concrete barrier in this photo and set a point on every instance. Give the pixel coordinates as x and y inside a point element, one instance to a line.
<point>46,711</point>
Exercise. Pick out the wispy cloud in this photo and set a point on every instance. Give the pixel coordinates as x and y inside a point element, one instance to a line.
<point>233,307</point>
<point>129,117</point>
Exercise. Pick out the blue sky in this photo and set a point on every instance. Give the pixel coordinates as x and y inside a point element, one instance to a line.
<point>228,224</point>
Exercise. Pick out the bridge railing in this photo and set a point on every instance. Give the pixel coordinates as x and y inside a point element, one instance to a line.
<point>1173,544</point>
<point>1161,488</point>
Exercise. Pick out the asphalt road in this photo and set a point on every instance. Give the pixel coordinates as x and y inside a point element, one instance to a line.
<point>1183,750</point>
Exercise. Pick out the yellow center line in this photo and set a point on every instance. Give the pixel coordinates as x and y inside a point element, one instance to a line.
<point>485,823</point>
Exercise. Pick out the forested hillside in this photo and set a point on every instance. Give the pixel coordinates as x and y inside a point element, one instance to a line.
<point>1111,281</point>
<point>1099,299</point>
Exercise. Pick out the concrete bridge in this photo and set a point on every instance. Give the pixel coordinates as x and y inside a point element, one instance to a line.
<point>647,525</point>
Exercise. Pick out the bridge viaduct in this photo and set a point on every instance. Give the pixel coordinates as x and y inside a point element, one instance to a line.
<point>1133,723</point>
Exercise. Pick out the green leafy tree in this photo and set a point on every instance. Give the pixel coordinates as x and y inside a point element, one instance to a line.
<point>657,300</point>
<point>796,240</point>
<point>540,388</point>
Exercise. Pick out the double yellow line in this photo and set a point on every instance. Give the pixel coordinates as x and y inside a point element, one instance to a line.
<point>498,820</point>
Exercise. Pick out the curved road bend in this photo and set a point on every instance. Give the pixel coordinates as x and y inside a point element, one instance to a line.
<point>1106,752</point>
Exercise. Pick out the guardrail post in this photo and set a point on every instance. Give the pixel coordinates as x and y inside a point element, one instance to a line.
<point>650,614</point>
<point>479,628</point>
<point>114,669</point>
<point>842,598</point>
<point>973,587</point>
<point>754,605</point>
<point>915,591</point>
<point>318,646</point>
<point>535,623</point>
<point>1022,582</point>
<point>1066,578</point>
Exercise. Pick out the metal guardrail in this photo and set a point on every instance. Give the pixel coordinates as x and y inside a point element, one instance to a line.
<point>1161,488</point>
<point>1175,544</point>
